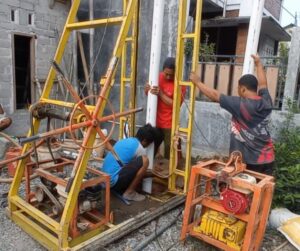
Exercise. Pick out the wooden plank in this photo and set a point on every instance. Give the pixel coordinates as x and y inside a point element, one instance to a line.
<point>200,73</point>
<point>237,73</point>
<point>223,78</point>
<point>209,75</point>
<point>124,228</point>
<point>272,73</point>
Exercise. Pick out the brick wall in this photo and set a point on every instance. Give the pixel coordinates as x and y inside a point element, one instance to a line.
<point>241,41</point>
<point>47,27</point>
<point>232,13</point>
<point>274,7</point>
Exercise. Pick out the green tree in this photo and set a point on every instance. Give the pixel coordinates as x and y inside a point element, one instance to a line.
<point>287,170</point>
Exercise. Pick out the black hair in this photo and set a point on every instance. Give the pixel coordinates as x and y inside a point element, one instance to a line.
<point>249,81</point>
<point>147,132</point>
<point>169,63</point>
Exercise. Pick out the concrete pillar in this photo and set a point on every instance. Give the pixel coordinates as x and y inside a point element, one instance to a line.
<point>292,68</point>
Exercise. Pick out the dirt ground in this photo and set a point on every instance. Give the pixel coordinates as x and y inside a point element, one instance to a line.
<point>12,238</point>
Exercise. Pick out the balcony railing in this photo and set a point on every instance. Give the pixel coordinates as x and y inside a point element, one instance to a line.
<point>222,72</point>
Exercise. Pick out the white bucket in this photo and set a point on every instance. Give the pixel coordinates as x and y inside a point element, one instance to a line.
<point>278,216</point>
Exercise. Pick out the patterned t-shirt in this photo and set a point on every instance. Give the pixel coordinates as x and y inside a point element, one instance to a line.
<point>249,126</point>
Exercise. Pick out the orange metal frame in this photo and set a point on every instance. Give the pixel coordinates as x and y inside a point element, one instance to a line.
<point>199,193</point>
<point>94,218</point>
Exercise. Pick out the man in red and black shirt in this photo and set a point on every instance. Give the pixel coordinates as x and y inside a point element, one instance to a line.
<point>250,118</point>
<point>165,92</point>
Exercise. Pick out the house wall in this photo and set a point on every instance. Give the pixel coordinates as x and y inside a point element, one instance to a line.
<point>47,27</point>
<point>211,136</point>
<point>273,7</point>
<point>266,46</point>
<point>241,41</point>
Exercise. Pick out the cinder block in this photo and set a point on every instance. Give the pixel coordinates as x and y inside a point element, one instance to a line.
<point>4,16</point>
<point>26,6</point>
<point>4,44</point>
<point>6,77</point>
<point>9,26</point>
<point>5,52</point>
<point>5,8</point>
<point>41,25</point>
<point>4,34</point>
<point>7,69</point>
<point>6,91</point>
<point>14,3</point>
<point>42,40</point>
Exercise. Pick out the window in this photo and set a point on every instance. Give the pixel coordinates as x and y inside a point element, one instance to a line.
<point>14,16</point>
<point>30,19</point>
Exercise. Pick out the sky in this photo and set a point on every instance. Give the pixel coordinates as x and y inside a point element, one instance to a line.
<point>292,6</point>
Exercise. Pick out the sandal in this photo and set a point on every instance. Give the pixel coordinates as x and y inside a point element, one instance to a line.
<point>134,196</point>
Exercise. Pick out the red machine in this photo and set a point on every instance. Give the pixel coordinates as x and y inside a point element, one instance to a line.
<point>234,202</point>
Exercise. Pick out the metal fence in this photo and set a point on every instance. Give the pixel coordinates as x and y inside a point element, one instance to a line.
<point>222,72</point>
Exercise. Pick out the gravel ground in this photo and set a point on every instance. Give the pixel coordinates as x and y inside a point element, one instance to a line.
<point>12,238</point>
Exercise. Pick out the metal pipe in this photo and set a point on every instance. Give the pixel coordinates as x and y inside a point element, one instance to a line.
<point>10,139</point>
<point>224,8</point>
<point>253,35</point>
<point>87,123</point>
<point>152,236</point>
<point>92,35</point>
<point>10,180</point>
<point>7,161</point>
<point>156,40</point>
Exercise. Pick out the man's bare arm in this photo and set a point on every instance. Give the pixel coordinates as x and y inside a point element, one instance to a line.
<point>211,93</point>
<point>261,75</point>
<point>168,101</point>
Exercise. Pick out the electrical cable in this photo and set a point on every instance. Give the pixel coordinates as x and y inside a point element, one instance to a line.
<point>48,142</point>
<point>11,140</point>
<point>156,235</point>
<point>198,128</point>
<point>284,8</point>
<point>99,50</point>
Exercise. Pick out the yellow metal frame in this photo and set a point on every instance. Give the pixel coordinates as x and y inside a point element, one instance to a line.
<point>50,233</point>
<point>129,81</point>
<point>175,170</point>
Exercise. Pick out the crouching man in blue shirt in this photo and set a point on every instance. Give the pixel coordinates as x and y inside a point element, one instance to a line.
<point>125,177</point>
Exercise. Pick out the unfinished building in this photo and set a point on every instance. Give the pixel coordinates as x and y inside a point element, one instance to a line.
<point>30,31</point>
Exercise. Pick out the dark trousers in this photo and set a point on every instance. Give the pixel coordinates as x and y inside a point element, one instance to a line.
<point>262,168</point>
<point>163,135</point>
